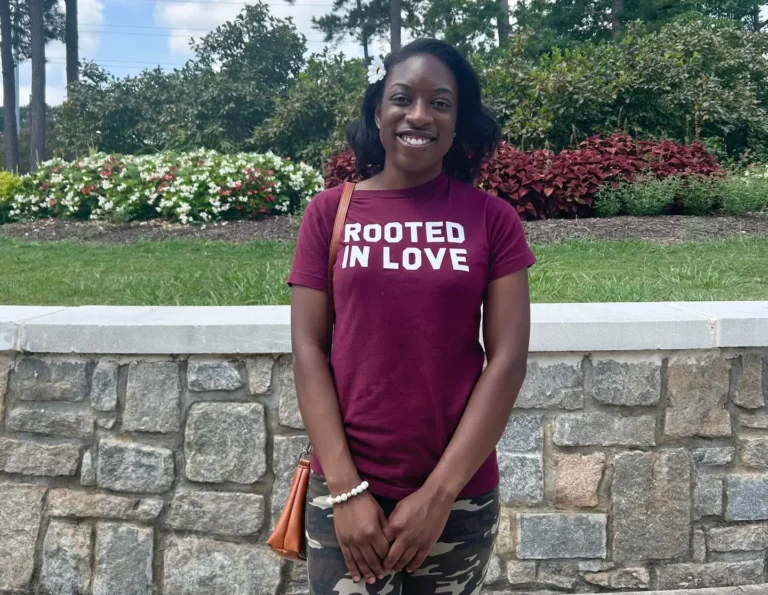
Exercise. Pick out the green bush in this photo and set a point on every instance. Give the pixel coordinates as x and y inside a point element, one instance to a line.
<point>698,195</point>
<point>10,185</point>
<point>747,193</point>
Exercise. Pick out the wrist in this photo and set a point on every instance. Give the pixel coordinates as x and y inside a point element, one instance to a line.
<point>441,490</point>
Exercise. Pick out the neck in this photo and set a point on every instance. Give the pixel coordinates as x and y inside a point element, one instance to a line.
<point>396,179</point>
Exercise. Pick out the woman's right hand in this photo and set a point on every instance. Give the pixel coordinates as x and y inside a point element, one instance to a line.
<point>359,526</point>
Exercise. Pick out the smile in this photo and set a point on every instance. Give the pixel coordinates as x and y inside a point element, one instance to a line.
<point>410,140</point>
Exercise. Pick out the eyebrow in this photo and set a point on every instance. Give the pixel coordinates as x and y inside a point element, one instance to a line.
<point>438,90</point>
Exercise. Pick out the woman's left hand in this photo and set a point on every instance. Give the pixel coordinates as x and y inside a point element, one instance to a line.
<point>413,529</point>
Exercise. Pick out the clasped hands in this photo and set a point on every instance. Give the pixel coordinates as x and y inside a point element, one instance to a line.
<point>373,546</point>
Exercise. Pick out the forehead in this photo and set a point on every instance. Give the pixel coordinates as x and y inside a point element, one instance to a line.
<point>423,73</point>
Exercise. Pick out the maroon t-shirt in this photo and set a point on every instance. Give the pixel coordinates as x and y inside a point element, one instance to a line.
<point>412,269</point>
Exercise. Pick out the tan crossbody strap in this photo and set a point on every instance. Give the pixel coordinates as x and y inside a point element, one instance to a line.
<point>338,226</point>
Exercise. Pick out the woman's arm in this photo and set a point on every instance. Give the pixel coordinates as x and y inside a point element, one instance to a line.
<point>418,521</point>
<point>358,521</point>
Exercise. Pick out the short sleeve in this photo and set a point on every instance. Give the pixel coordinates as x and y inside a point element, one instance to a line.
<point>509,251</point>
<point>310,262</point>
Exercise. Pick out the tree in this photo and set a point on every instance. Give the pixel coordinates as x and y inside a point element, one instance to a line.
<point>72,42</point>
<point>37,101</point>
<point>10,131</point>
<point>617,11</point>
<point>503,24</point>
<point>53,25</point>
<point>364,20</point>
<point>395,24</point>
<point>465,24</point>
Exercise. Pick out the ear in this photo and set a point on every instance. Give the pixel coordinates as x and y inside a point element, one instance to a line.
<point>377,117</point>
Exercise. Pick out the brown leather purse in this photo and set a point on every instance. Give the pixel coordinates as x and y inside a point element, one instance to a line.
<point>288,539</point>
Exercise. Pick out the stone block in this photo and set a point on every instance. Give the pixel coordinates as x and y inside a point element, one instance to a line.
<point>123,560</point>
<point>213,376</point>
<point>748,392</point>
<point>208,567</point>
<point>627,381</point>
<point>754,452</point>
<point>66,558</point>
<point>621,578</point>
<point>699,546</point>
<point>604,429</point>
<point>524,433</point>
<point>225,442</point>
<point>87,470</point>
<point>577,480</point>
<point>522,479</point>
<point>152,397</point>
<point>259,374</point>
<point>34,458</point>
<point>106,423</point>
<point>708,496</point>
<point>104,386</point>
<point>740,538</point>
<point>290,416</point>
<point>36,379</point>
<point>63,502</point>
<point>521,573</point>
<point>747,498</point>
<point>133,467</point>
<point>21,507</point>
<point>697,389</point>
<point>50,421</point>
<point>505,539</point>
<point>552,382</point>
<point>756,421</point>
<point>6,365</point>
<point>224,513</point>
<point>286,456</point>
<point>493,573</point>
<point>714,456</point>
<point>561,535</point>
<point>711,574</point>
<point>651,495</point>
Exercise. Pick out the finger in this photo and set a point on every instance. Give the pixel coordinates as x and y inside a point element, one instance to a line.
<point>349,560</point>
<point>395,551</point>
<point>374,562</point>
<point>380,546</point>
<point>417,561</point>
<point>405,559</point>
<point>363,566</point>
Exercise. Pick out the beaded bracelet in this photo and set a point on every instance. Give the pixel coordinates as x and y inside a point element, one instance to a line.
<point>333,500</point>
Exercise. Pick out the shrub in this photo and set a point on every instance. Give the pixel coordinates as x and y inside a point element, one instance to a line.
<point>193,187</point>
<point>10,185</point>
<point>542,184</point>
<point>747,193</point>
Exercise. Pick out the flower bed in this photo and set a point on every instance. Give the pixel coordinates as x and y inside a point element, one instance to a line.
<point>194,187</point>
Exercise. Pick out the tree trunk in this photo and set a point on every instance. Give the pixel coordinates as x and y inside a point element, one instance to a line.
<point>10,134</point>
<point>503,22</point>
<point>395,23</point>
<point>72,42</point>
<point>37,102</point>
<point>363,32</point>
<point>617,10</point>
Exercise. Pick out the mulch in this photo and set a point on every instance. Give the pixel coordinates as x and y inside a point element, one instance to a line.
<point>660,230</point>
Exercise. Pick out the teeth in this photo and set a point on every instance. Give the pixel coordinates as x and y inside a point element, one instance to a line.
<point>419,142</point>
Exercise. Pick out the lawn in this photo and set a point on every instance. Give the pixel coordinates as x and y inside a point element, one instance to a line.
<point>204,273</point>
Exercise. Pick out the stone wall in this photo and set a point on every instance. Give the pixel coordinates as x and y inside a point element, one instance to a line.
<point>131,469</point>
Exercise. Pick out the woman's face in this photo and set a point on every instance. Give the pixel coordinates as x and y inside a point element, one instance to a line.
<point>417,116</point>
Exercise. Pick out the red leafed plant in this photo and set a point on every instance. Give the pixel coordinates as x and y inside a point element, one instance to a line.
<point>543,185</point>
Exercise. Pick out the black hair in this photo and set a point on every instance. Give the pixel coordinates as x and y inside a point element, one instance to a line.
<point>477,132</point>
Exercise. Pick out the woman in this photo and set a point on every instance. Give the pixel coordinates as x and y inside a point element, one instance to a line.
<point>405,420</point>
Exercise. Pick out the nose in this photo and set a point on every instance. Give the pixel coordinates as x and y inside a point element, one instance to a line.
<point>418,114</point>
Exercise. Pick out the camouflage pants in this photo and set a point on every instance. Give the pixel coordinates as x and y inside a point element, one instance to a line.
<point>456,566</point>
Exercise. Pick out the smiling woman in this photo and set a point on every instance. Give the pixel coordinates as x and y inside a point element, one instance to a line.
<point>406,407</point>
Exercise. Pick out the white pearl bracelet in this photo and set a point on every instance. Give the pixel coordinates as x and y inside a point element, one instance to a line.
<point>333,500</point>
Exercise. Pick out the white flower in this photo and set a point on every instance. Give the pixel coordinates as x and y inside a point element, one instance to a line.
<point>376,71</point>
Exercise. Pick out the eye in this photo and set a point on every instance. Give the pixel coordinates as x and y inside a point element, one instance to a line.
<point>400,100</point>
<point>442,103</point>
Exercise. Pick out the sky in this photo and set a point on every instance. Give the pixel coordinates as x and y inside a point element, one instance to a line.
<point>126,36</point>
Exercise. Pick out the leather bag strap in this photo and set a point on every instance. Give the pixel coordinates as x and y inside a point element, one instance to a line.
<point>338,226</point>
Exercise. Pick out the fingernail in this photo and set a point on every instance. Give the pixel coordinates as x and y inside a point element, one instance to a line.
<point>357,579</point>
<point>371,580</point>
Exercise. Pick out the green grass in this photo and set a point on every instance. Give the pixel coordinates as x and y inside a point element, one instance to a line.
<point>194,272</point>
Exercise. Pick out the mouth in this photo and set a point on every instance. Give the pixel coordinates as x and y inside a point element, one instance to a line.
<point>415,139</point>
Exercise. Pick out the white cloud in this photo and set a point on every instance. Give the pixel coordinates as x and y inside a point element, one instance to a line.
<point>185,17</point>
